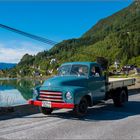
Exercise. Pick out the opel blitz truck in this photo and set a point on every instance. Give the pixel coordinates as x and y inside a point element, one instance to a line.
<point>77,86</point>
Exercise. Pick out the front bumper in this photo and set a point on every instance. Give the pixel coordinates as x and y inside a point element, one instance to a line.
<point>53,104</point>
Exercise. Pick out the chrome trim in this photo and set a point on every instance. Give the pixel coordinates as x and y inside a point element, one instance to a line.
<point>44,99</point>
<point>49,96</point>
<point>51,93</point>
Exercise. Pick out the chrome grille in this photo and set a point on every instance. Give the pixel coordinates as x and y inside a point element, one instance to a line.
<point>52,96</point>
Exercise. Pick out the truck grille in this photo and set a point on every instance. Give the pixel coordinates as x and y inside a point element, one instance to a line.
<point>52,96</point>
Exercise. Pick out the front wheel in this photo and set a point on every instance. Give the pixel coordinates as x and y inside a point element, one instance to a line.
<point>46,111</point>
<point>121,97</point>
<point>81,109</point>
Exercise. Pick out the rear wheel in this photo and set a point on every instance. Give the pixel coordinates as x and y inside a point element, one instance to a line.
<point>121,97</point>
<point>81,109</point>
<point>46,111</point>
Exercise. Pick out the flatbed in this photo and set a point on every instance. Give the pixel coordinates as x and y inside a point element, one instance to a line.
<point>114,83</point>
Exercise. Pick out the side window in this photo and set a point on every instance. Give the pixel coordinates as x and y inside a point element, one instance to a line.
<point>95,71</point>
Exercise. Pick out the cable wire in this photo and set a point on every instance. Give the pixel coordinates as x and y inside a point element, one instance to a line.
<point>35,37</point>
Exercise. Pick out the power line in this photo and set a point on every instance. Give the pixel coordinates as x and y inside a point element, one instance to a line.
<point>35,37</point>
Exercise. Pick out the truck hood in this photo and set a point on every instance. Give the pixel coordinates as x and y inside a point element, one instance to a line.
<point>65,81</point>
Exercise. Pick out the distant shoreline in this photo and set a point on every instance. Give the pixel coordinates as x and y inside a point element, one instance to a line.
<point>26,78</point>
<point>46,77</point>
<point>7,78</point>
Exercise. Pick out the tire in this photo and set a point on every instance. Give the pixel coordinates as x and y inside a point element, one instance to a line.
<point>81,109</point>
<point>46,111</point>
<point>121,97</point>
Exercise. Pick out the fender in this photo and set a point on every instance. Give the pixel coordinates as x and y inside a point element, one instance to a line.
<point>79,93</point>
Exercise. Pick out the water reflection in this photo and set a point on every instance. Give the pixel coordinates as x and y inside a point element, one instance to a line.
<point>16,91</point>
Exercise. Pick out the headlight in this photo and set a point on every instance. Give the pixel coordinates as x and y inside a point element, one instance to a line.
<point>68,96</point>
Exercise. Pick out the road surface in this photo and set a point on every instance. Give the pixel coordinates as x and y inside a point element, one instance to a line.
<point>103,121</point>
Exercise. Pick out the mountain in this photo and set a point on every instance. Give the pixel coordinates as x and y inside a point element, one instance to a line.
<point>120,21</point>
<point>4,66</point>
<point>116,37</point>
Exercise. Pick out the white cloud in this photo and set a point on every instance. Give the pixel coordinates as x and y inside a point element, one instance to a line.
<point>13,51</point>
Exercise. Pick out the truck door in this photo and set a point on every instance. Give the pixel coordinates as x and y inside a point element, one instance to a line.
<point>96,84</point>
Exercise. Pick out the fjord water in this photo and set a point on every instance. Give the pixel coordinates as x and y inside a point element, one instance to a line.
<point>16,91</point>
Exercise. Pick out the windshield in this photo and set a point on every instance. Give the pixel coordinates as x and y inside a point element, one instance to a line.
<point>79,70</point>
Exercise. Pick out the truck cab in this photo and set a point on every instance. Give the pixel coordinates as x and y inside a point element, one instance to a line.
<point>77,86</point>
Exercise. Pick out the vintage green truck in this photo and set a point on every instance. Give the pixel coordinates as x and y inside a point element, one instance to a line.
<point>77,86</point>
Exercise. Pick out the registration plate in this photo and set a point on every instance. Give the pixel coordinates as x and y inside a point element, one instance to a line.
<point>46,104</point>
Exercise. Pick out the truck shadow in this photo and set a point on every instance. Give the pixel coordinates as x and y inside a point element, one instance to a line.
<point>107,111</point>
<point>104,112</point>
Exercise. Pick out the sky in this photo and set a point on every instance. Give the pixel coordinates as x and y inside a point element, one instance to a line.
<point>53,19</point>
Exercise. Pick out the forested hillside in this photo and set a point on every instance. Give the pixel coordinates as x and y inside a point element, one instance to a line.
<point>116,37</point>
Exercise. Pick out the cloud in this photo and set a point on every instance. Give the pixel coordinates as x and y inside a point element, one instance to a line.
<point>13,51</point>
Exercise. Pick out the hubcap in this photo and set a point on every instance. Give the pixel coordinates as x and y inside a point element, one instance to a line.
<point>123,96</point>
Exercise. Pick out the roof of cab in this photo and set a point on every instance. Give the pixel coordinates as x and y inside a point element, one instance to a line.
<point>82,63</point>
